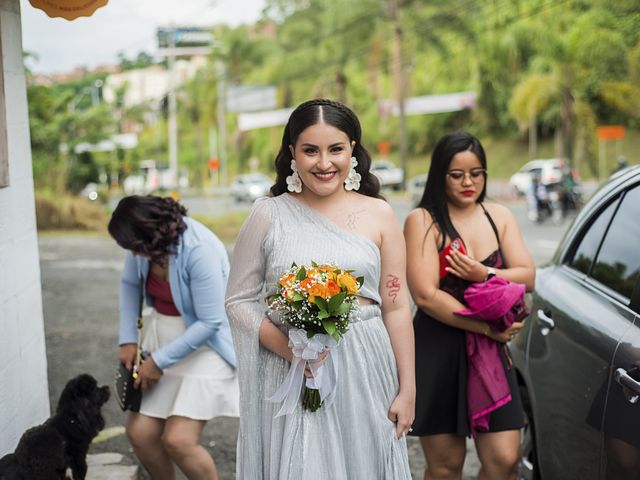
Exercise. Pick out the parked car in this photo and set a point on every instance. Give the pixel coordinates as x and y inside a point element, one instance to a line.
<point>154,177</point>
<point>549,171</point>
<point>578,357</point>
<point>415,187</point>
<point>388,174</point>
<point>250,186</point>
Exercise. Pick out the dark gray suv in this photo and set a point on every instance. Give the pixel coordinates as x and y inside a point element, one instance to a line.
<point>578,358</point>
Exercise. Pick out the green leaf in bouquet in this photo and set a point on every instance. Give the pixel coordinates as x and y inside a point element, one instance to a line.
<point>329,326</point>
<point>360,281</point>
<point>342,309</point>
<point>336,301</point>
<point>272,298</point>
<point>298,297</point>
<point>321,303</point>
<point>322,314</point>
<point>302,274</point>
<point>314,264</point>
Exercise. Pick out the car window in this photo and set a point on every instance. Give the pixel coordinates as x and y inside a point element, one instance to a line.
<point>618,263</point>
<point>588,247</point>
<point>535,171</point>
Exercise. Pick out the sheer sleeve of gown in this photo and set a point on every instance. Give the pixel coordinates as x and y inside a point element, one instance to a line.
<point>246,309</point>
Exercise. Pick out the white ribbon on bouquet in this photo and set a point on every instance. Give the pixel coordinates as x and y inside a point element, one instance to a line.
<point>325,375</point>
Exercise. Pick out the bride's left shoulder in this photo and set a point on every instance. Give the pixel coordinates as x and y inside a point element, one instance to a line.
<point>375,205</point>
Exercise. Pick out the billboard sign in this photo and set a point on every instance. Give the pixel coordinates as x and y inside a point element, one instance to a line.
<point>250,98</point>
<point>271,118</point>
<point>184,37</point>
<point>450,102</point>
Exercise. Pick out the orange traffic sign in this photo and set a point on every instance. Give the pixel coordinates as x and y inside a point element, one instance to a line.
<point>384,147</point>
<point>610,132</point>
<point>214,164</point>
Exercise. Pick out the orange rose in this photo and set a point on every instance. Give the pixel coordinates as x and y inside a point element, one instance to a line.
<point>306,284</point>
<point>329,270</point>
<point>288,293</point>
<point>332,288</point>
<point>348,281</point>
<point>317,290</point>
<point>287,279</point>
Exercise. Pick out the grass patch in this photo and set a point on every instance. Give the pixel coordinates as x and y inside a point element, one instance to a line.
<point>66,212</point>
<point>226,226</point>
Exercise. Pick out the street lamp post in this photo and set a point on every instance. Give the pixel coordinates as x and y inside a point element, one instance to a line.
<point>172,121</point>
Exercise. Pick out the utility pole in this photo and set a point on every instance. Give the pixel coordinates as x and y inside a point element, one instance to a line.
<point>400,81</point>
<point>222,121</point>
<point>173,122</point>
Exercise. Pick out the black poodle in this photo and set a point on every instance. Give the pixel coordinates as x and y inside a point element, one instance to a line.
<point>38,456</point>
<point>77,421</point>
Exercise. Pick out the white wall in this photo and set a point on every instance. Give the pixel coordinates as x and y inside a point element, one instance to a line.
<point>24,397</point>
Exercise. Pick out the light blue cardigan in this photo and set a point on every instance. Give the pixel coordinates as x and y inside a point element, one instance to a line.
<point>198,274</point>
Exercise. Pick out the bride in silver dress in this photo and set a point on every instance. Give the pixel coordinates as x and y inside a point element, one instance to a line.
<point>325,207</point>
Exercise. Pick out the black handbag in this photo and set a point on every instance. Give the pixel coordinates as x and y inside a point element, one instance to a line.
<point>128,397</point>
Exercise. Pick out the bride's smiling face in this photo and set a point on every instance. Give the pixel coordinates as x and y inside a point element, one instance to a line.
<point>323,158</point>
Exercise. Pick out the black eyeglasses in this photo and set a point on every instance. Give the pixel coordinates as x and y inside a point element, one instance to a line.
<point>475,175</point>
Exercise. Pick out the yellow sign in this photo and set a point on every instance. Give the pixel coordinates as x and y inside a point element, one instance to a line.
<point>68,9</point>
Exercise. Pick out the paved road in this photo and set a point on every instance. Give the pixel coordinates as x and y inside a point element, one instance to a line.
<point>80,295</point>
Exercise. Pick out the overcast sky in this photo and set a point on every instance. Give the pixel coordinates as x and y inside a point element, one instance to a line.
<point>121,25</point>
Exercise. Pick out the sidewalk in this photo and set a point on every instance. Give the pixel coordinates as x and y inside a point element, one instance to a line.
<point>109,466</point>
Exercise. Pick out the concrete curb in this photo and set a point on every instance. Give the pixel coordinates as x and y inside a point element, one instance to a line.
<point>109,466</point>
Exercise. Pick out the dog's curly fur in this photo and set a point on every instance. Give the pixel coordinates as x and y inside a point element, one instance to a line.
<point>45,451</point>
<point>38,456</point>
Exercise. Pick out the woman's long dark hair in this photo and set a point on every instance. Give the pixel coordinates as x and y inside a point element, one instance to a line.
<point>434,198</point>
<point>148,225</point>
<point>337,115</point>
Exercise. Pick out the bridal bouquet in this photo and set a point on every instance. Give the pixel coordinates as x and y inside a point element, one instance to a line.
<point>316,301</point>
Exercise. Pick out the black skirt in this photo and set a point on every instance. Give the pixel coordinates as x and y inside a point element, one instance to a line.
<point>441,383</point>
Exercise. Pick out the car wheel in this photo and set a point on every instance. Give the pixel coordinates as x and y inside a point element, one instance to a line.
<point>528,465</point>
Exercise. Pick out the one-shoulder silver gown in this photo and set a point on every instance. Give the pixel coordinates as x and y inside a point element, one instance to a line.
<point>352,439</point>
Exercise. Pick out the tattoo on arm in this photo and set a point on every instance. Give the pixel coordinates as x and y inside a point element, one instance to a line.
<point>352,219</point>
<point>393,284</point>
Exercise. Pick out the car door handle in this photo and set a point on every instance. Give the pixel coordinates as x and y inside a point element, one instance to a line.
<point>546,322</point>
<point>629,384</point>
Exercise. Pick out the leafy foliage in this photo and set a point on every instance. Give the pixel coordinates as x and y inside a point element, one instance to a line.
<point>560,68</point>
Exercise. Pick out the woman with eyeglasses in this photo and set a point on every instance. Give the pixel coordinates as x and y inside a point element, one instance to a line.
<point>456,239</point>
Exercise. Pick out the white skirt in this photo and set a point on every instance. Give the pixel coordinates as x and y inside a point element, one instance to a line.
<point>201,386</point>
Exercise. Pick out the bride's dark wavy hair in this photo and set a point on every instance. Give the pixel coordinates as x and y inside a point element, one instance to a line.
<point>148,225</point>
<point>337,115</point>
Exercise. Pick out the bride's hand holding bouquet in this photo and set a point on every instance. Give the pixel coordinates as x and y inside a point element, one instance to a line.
<point>316,302</point>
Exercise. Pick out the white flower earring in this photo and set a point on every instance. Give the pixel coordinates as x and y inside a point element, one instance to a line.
<point>294,184</point>
<point>352,181</point>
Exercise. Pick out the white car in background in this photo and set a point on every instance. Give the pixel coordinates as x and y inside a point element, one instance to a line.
<point>388,174</point>
<point>549,170</point>
<point>250,186</point>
